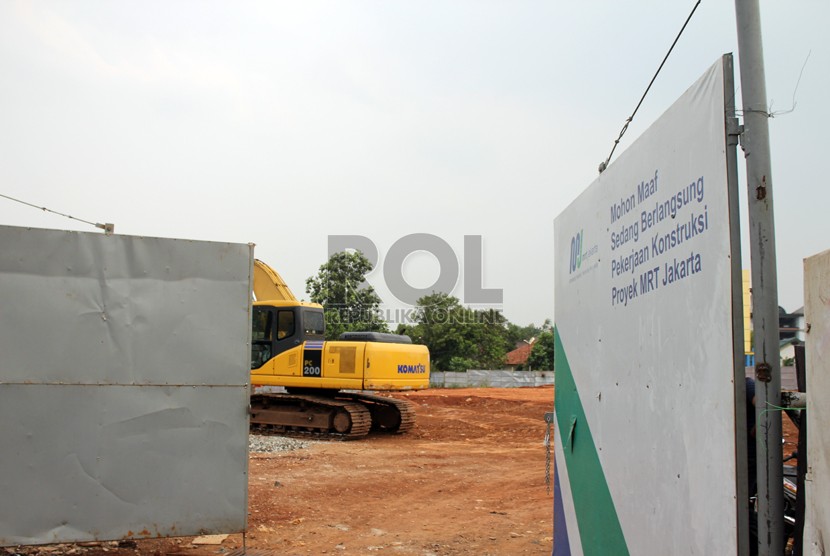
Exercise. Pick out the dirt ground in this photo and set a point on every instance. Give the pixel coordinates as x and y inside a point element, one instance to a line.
<point>468,480</point>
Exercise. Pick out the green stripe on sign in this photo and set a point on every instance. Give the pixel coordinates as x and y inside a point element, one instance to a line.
<point>596,517</point>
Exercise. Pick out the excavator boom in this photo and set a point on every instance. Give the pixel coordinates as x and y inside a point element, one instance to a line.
<point>269,285</point>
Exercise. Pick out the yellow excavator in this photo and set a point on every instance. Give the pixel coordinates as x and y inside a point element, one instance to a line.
<point>326,383</point>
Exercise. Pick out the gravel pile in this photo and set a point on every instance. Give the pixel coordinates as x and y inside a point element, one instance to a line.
<point>274,443</point>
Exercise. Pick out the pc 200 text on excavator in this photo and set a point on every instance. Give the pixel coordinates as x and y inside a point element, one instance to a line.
<point>326,381</point>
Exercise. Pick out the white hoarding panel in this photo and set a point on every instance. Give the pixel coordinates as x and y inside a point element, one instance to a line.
<point>645,402</point>
<point>817,484</point>
<point>132,309</point>
<point>149,462</point>
<point>123,386</point>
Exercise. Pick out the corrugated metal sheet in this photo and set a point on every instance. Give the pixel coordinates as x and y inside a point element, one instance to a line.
<point>123,386</point>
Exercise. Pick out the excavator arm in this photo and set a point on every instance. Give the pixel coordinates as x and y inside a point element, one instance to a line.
<point>269,285</point>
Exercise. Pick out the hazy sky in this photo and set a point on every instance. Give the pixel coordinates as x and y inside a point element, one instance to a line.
<point>282,123</point>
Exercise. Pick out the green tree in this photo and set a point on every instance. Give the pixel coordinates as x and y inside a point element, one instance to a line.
<point>459,338</point>
<point>489,337</point>
<point>516,334</point>
<point>541,355</point>
<point>350,304</point>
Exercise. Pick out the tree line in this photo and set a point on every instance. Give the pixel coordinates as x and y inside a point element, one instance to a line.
<point>458,337</point>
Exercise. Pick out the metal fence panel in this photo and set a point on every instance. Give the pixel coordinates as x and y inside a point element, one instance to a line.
<point>121,309</point>
<point>817,313</point>
<point>491,378</point>
<point>123,386</point>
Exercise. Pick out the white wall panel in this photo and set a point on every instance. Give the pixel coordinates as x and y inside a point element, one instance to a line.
<point>817,315</point>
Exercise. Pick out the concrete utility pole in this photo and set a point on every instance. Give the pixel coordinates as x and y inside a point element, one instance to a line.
<point>755,143</point>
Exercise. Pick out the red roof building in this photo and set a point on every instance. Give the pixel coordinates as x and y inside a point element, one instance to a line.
<point>517,359</point>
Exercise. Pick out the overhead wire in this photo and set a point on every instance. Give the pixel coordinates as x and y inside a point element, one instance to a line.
<point>604,165</point>
<point>795,91</point>
<point>109,228</point>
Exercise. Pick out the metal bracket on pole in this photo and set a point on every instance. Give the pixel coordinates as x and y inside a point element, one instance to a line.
<point>763,372</point>
<point>734,130</point>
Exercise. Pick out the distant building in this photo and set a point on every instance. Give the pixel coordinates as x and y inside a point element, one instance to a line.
<point>791,325</point>
<point>516,360</point>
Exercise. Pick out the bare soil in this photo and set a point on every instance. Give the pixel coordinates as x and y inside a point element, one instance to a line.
<point>468,480</point>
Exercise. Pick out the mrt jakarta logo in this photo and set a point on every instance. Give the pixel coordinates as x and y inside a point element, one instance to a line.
<point>579,254</point>
<point>448,263</point>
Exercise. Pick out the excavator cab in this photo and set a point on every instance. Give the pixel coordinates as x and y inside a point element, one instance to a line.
<point>276,328</point>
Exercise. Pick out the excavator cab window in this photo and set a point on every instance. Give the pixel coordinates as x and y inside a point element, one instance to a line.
<point>262,335</point>
<point>314,324</point>
<point>285,324</point>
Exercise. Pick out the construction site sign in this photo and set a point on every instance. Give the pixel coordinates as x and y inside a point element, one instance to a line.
<point>645,436</point>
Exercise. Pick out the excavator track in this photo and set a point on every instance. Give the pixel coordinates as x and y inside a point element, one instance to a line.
<point>388,414</point>
<point>344,419</point>
<point>346,416</point>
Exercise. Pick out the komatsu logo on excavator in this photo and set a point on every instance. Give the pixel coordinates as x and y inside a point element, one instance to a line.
<point>412,369</point>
